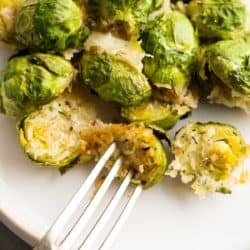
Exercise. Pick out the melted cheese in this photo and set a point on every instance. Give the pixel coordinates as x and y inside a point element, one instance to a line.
<point>229,98</point>
<point>209,157</point>
<point>131,51</point>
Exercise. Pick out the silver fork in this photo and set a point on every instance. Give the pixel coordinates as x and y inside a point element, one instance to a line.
<point>59,237</point>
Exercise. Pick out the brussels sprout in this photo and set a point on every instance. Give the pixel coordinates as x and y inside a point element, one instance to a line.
<point>229,72</point>
<point>123,18</point>
<point>209,156</point>
<point>114,78</point>
<point>219,19</point>
<point>51,136</point>
<point>50,25</point>
<point>33,80</point>
<point>152,112</point>
<point>8,9</point>
<point>164,109</point>
<point>174,96</point>
<point>141,150</point>
<point>171,44</point>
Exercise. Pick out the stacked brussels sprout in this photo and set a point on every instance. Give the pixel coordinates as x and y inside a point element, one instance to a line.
<point>146,59</point>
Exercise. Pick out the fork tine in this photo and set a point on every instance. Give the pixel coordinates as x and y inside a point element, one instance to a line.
<point>121,219</point>
<point>105,216</point>
<point>75,233</point>
<point>67,213</point>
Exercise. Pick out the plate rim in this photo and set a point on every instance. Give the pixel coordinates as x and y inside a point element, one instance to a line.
<point>24,232</point>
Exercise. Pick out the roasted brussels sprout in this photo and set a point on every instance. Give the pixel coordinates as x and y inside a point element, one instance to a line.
<point>141,150</point>
<point>123,18</point>
<point>163,110</point>
<point>227,63</point>
<point>219,19</point>
<point>113,78</point>
<point>152,112</point>
<point>171,43</point>
<point>33,80</point>
<point>8,9</point>
<point>51,136</point>
<point>209,156</point>
<point>50,25</point>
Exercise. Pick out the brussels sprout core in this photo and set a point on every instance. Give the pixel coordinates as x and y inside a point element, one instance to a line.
<point>50,25</point>
<point>209,156</point>
<point>51,136</point>
<point>31,81</point>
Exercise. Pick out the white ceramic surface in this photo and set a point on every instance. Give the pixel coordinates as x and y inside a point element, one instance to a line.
<point>167,216</point>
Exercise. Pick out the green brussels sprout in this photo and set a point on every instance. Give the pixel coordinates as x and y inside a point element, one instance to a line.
<point>123,18</point>
<point>8,9</point>
<point>164,109</point>
<point>227,63</point>
<point>219,19</point>
<point>171,44</point>
<point>152,112</point>
<point>33,80</point>
<point>50,25</point>
<point>209,156</point>
<point>51,135</point>
<point>140,148</point>
<point>114,78</point>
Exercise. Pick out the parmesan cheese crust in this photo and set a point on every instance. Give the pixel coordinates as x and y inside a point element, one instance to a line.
<point>230,98</point>
<point>130,51</point>
<point>210,157</point>
<point>142,152</point>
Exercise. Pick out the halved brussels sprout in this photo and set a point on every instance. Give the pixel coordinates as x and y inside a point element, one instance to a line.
<point>209,156</point>
<point>219,19</point>
<point>50,25</point>
<point>114,78</point>
<point>123,18</point>
<point>8,9</point>
<point>141,150</point>
<point>33,80</point>
<point>171,43</point>
<point>51,136</point>
<point>227,63</point>
<point>152,112</point>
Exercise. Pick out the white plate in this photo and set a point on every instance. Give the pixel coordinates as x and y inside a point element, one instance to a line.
<point>167,216</point>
